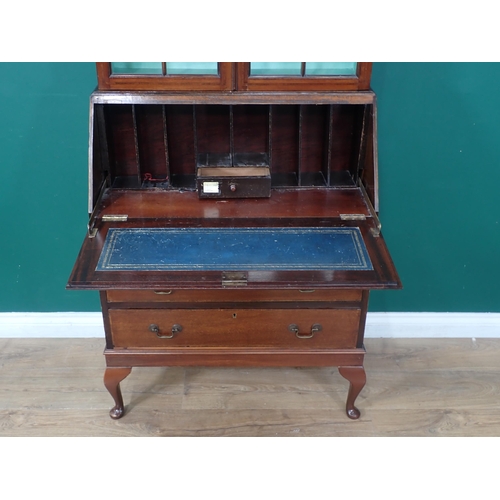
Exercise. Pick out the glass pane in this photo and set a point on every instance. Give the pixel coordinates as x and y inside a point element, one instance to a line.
<point>192,68</point>
<point>330,68</point>
<point>136,68</point>
<point>275,68</point>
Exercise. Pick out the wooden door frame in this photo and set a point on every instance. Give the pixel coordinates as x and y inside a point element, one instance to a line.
<point>245,82</point>
<point>223,81</point>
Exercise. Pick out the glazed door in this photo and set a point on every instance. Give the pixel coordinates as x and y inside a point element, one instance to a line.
<point>164,76</point>
<point>248,76</point>
<point>303,76</point>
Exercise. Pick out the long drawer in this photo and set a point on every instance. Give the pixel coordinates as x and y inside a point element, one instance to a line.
<point>228,295</point>
<point>283,328</point>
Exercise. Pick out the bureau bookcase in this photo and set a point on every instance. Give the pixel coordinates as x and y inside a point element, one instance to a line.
<point>233,216</point>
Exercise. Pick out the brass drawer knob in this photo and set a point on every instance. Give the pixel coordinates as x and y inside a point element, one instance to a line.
<point>156,329</point>
<point>314,329</point>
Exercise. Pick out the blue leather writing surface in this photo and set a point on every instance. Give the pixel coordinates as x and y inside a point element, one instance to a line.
<point>234,249</point>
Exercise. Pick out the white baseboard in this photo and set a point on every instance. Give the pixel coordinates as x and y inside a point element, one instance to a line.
<point>51,325</point>
<point>378,325</point>
<point>433,325</point>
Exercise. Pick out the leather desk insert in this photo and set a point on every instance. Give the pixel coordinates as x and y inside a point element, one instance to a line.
<point>238,249</point>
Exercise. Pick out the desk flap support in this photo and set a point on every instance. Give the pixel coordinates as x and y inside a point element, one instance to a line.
<point>378,225</point>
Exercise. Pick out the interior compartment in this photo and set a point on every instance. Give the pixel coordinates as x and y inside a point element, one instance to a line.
<point>156,146</point>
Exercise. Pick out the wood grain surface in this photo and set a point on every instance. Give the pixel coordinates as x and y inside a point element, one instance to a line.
<point>416,387</point>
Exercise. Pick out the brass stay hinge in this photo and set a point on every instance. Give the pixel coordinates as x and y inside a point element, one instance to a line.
<point>92,230</point>
<point>114,218</point>
<point>352,217</point>
<point>375,231</point>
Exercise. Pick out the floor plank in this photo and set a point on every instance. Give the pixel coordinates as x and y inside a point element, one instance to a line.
<point>416,387</point>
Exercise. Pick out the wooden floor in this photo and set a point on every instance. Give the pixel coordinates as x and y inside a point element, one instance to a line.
<point>416,387</point>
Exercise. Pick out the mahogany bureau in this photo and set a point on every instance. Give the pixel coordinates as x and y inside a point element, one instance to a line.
<point>233,216</point>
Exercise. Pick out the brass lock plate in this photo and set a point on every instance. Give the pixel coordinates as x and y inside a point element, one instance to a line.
<point>234,278</point>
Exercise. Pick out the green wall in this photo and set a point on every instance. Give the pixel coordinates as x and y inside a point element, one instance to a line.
<point>43,194</point>
<point>439,158</point>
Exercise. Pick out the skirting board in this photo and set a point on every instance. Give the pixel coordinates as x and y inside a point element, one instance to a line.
<point>378,325</point>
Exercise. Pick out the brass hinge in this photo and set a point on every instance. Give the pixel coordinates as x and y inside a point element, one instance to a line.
<point>352,217</point>
<point>114,218</point>
<point>92,230</point>
<point>234,279</point>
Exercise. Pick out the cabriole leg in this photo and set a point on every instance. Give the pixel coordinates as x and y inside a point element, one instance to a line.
<point>357,379</point>
<point>112,379</point>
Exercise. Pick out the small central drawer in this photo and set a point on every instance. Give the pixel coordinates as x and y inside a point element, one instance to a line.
<point>309,295</point>
<point>283,328</point>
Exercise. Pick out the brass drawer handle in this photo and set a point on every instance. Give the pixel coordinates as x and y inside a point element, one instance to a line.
<point>295,329</point>
<point>156,329</point>
<point>165,292</point>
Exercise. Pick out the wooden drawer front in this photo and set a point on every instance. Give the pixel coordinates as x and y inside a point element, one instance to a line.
<point>132,296</point>
<point>235,328</point>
